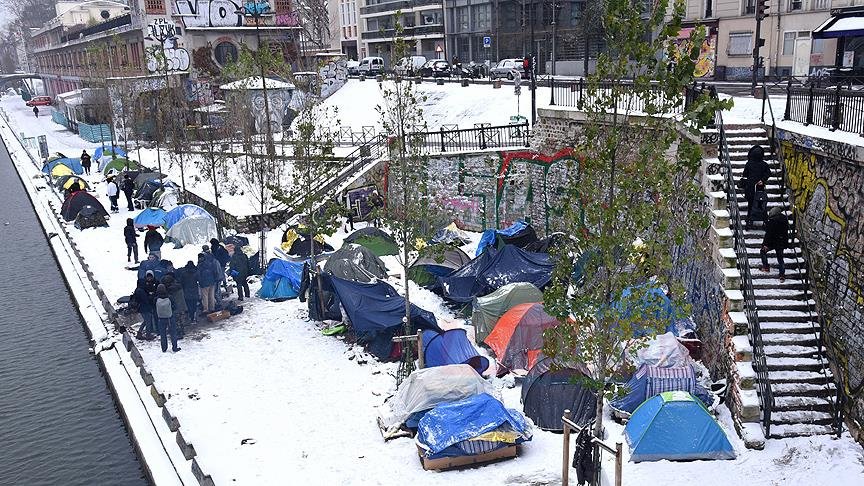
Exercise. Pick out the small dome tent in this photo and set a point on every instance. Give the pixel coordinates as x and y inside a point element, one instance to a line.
<point>488,309</point>
<point>517,338</point>
<point>76,201</point>
<point>376,240</point>
<point>452,347</point>
<point>551,388</point>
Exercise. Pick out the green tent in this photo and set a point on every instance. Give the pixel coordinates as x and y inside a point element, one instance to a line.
<point>374,239</point>
<point>488,309</point>
<point>119,165</point>
<point>435,261</point>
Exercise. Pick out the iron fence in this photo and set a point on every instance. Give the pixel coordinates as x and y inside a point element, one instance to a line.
<point>483,136</point>
<point>835,108</point>
<point>580,93</point>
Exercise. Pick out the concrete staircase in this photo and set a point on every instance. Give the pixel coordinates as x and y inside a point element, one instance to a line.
<point>801,383</point>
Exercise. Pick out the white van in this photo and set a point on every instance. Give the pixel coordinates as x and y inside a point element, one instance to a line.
<point>371,65</point>
<point>409,65</point>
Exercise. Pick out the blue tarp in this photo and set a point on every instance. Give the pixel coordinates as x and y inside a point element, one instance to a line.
<point>490,236</point>
<point>183,211</point>
<point>74,164</point>
<point>281,280</point>
<point>451,347</point>
<point>675,426</point>
<point>451,423</point>
<point>98,153</point>
<point>155,265</point>
<point>150,217</point>
<point>494,269</point>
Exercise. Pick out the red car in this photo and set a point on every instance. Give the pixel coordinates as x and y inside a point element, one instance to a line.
<point>39,101</point>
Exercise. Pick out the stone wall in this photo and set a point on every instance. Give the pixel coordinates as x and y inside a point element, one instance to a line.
<point>826,181</point>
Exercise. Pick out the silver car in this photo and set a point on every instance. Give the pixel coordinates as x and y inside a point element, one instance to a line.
<point>505,68</point>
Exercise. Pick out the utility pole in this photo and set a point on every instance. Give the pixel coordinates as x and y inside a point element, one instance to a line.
<point>552,78</point>
<point>533,65</point>
<point>761,9</point>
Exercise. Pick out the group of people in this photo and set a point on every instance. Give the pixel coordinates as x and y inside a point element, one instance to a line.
<point>113,190</point>
<point>754,180</point>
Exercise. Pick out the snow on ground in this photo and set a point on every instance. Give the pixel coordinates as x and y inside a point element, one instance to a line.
<point>264,396</point>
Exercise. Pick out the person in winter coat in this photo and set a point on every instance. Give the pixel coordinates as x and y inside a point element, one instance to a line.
<point>188,278</point>
<point>128,188</point>
<point>207,281</point>
<point>219,270</point>
<point>130,235</point>
<point>776,238</point>
<point>143,296</point>
<point>166,319</point>
<point>153,242</point>
<point>755,177</point>
<point>178,299</point>
<point>85,162</point>
<point>239,270</point>
<point>222,256</point>
<point>113,193</point>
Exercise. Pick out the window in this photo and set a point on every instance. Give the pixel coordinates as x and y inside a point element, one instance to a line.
<point>576,9</point>
<point>822,4</point>
<point>818,46</point>
<point>795,5</point>
<point>432,17</point>
<point>225,53</point>
<point>740,43</point>
<point>371,25</point>
<point>749,7</point>
<point>154,6</point>
<point>788,43</point>
<point>461,20</point>
<point>483,16</point>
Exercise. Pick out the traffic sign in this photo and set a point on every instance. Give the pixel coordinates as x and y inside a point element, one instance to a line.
<point>487,41</point>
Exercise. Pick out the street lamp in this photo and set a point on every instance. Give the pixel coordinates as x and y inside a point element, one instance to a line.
<point>160,31</point>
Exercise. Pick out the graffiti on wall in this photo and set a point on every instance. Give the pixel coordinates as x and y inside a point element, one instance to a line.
<point>333,76</point>
<point>707,54</point>
<point>226,13</point>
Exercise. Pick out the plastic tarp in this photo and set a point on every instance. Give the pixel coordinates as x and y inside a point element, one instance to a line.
<point>143,178</point>
<point>494,269</point>
<point>150,189</point>
<point>675,426</point>
<point>193,230</point>
<point>649,381</point>
<point>450,235</point>
<point>488,309</point>
<point>450,423</point>
<point>185,211</point>
<point>150,217</point>
<point>519,234</point>
<point>281,280</point>
<point>663,351</point>
<point>74,166</point>
<point>547,391</point>
<point>517,338</point>
<point>300,245</point>
<point>434,262</point>
<point>166,198</point>
<point>375,239</point>
<point>76,201</point>
<point>545,245</point>
<point>427,388</point>
<point>355,262</point>
<point>646,301</point>
<point>452,347</point>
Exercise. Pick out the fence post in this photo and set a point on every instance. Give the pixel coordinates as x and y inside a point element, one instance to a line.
<point>526,134</point>
<point>552,91</point>
<point>443,149</point>
<point>482,138</point>
<point>581,87</point>
<point>835,123</point>
<point>618,464</point>
<point>786,111</point>
<point>809,118</point>
<point>565,466</point>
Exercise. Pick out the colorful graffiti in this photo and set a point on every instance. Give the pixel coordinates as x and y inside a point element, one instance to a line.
<point>707,53</point>
<point>226,13</point>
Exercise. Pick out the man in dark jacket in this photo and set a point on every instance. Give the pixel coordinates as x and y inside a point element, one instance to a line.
<point>755,177</point>
<point>776,238</point>
<point>178,299</point>
<point>144,297</point>
<point>207,281</point>
<point>128,187</point>
<point>153,242</point>
<point>239,270</point>
<point>188,278</point>
<point>85,162</point>
<point>130,235</point>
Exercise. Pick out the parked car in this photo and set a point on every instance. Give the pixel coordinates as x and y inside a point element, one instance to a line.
<point>371,65</point>
<point>409,65</point>
<point>505,68</point>
<point>353,67</point>
<point>39,101</point>
<point>436,68</point>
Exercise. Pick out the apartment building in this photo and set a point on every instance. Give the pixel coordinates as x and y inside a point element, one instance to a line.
<point>349,12</point>
<point>422,22</point>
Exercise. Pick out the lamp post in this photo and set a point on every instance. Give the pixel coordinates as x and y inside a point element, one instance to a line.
<point>552,79</point>
<point>161,31</point>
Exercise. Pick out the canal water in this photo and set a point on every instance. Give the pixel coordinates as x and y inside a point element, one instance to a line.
<point>58,422</point>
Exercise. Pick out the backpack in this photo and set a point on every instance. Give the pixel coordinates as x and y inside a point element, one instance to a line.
<point>760,206</point>
<point>163,308</point>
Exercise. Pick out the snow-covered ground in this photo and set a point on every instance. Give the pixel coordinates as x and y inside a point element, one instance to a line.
<point>267,399</point>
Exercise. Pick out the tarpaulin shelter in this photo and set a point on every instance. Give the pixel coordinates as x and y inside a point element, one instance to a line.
<point>143,177</point>
<point>494,269</point>
<point>72,166</point>
<point>519,234</point>
<point>434,262</point>
<point>66,181</point>
<point>281,280</point>
<point>150,217</point>
<point>517,338</point>
<point>466,427</point>
<point>298,243</point>
<point>192,230</point>
<point>645,300</point>
<point>375,239</point>
<point>76,201</point>
<point>148,191</point>
<point>450,235</point>
<point>355,262</point>
<point>375,311</point>
<point>329,309</point>
<point>185,211</point>
<point>452,347</point>
<point>117,165</point>
<point>90,217</point>
<point>166,198</point>
<point>550,388</point>
<point>486,310</point>
<point>649,381</point>
<point>675,426</point>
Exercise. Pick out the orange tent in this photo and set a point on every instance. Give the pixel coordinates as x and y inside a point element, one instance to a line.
<point>517,338</point>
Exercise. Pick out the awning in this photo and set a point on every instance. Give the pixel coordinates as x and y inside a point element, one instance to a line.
<point>840,27</point>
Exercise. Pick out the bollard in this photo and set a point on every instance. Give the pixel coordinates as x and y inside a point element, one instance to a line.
<point>439,81</point>
<point>362,78</point>
<point>496,84</point>
<point>418,80</point>
<point>464,83</point>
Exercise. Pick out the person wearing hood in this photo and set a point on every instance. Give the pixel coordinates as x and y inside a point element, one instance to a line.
<point>754,178</point>
<point>776,238</point>
<point>85,162</point>
<point>144,297</point>
<point>128,187</point>
<point>188,278</point>
<point>113,192</point>
<point>207,280</point>
<point>221,255</point>
<point>153,242</point>
<point>239,270</point>
<point>178,299</point>
<point>166,321</point>
<point>130,235</point>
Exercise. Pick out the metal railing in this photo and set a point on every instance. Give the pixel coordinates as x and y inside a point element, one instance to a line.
<point>578,93</point>
<point>596,444</point>
<point>480,137</point>
<point>834,108</point>
<point>763,385</point>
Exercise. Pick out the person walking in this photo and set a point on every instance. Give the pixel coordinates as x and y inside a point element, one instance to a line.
<point>207,280</point>
<point>188,278</point>
<point>166,323</point>
<point>113,193</point>
<point>153,242</point>
<point>85,162</point>
<point>776,238</point>
<point>128,188</point>
<point>130,235</point>
<point>239,270</point>
<point>36,111</point>
<point>755,176</point>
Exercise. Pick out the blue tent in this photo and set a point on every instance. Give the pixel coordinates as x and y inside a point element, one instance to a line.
<point>451,347</point>
<point>183,211</point>
<point>444,428</point>
<point>375,311</point>
<point>494,269</point>
<point>150,217</point>
<point>652,301</point>
<point>119,152</point>
<point>675,426</point>
<point>281,280</point>
<point>73,164</point>
<point>490,236</point>
<point>649,381</point>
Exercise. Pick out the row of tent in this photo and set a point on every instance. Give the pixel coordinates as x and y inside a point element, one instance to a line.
<point>185,224</point>
<point>59,164</point>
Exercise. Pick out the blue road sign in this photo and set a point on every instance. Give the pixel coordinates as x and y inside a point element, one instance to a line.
<point>487,41</point>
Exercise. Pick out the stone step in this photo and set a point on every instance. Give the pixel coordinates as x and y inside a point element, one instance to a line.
<point>793,364</point>
<point>789,351</point>
<point>801,403</point>
<point>792,294</point>
<point>782,431</point>
<point>788,263</point>
<point>786,376</point>
<point>801,417</point>
<point>790,339</point>
<point>785,327</point>
<point>784,316</point>
<point>784,304</point>
<point>792,273</point>
<point>823,390</point>
<point>771,284</point>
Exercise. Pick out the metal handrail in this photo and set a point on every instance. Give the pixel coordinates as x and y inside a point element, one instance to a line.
<point>763,385</point>
<point>568,424</point>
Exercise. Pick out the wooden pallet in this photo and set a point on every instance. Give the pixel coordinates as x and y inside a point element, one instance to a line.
<point>445,463</point>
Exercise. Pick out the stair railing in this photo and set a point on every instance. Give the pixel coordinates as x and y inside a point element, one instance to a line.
<point>763,385</point>
<point>804,263</point>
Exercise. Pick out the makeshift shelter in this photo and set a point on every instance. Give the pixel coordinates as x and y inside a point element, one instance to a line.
<point>297,243</point>
<point>66,181</point>
<point>494,269</point>
<point>452,347</point>
<point>649,381</point>
<point>107,153</point>
<point>645,301</point>
<point>519,234</point>
<point>166,198</point>
<point>281,280</point>
<point>375,311</point>
<point>517,338</point>
<point>143,177</point>
<point>117,165</point>
<point>486,310</point>
<point>192,230</point>
<point>675,426</point>
<point>72,166</point>
<point>450,235</point>
<point>434,262</point>
<point>356,263</point>
<point>148,191</point>
<point>90,217</point>
<point>149,217</point>
<point>376,240</point>
<point>473,426</point>
<point>547,391</point>
<point>324,303</point>
<point>185,211</point>
<point>545,245</point>
<point>76,201</point>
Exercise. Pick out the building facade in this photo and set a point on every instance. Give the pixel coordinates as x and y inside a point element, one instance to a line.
<point>349,13</point>
<point>422,22</point>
